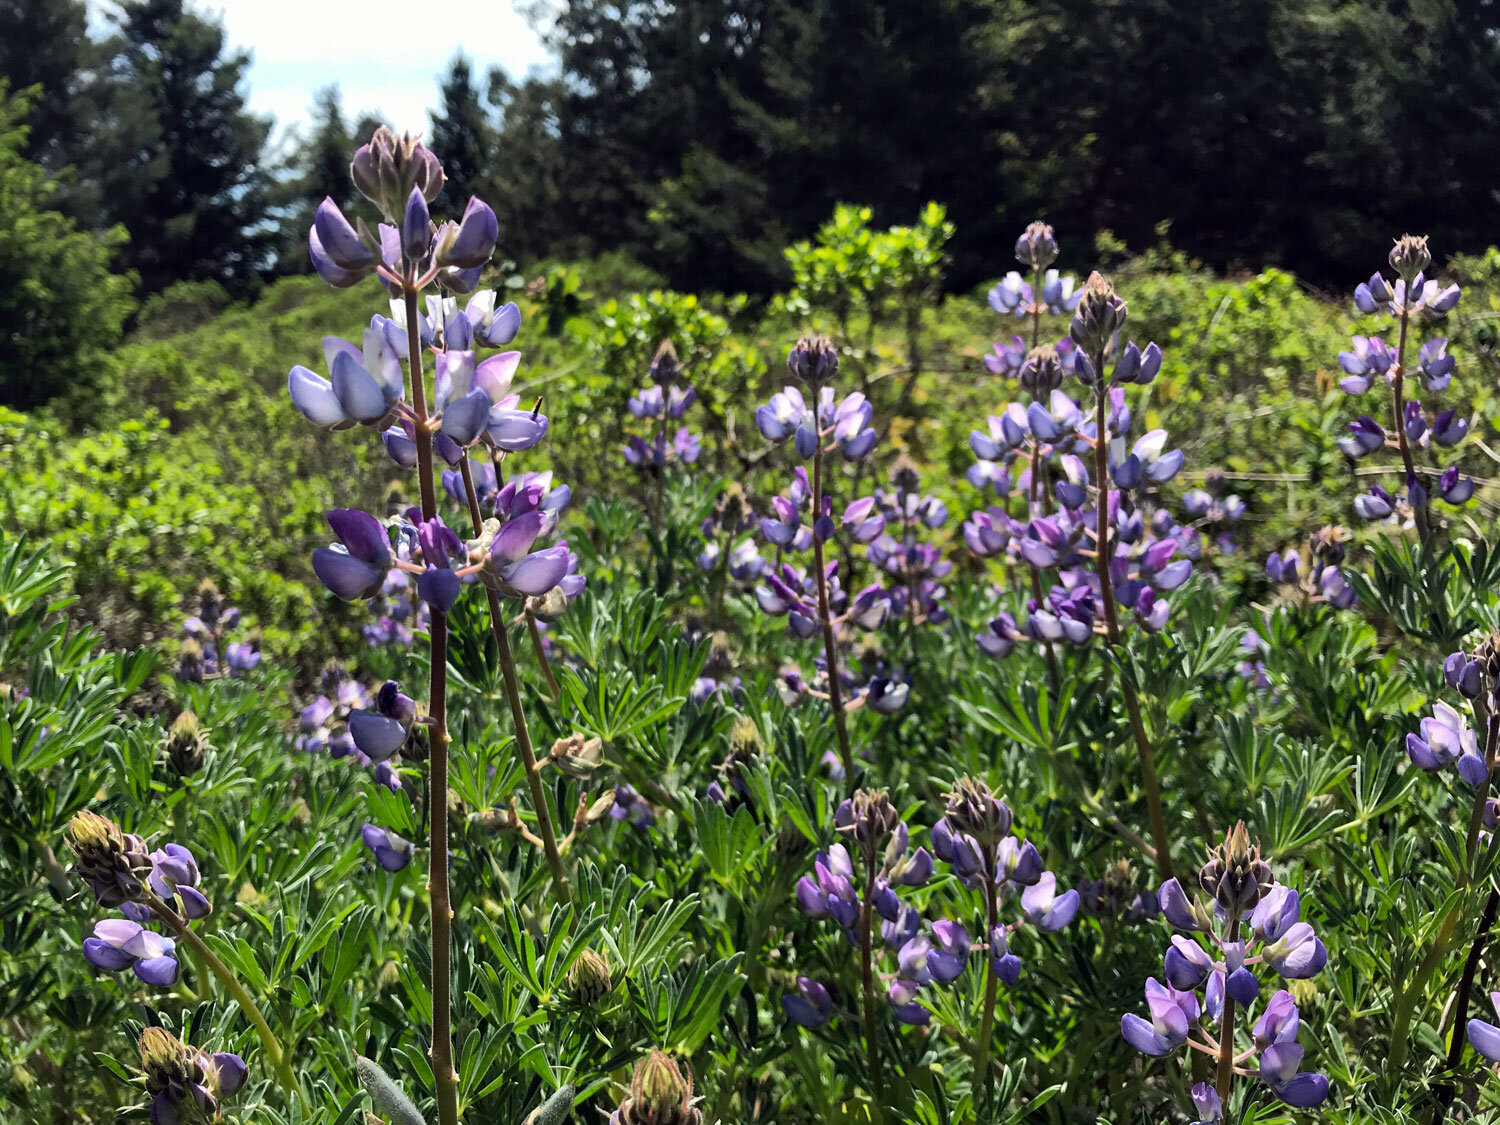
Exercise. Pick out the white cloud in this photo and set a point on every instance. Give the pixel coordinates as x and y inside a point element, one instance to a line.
<point>384,60</point>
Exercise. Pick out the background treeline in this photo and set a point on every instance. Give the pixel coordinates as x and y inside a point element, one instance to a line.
<point>701,138</point>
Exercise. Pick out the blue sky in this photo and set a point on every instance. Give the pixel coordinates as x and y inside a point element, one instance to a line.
<point>382,58</point>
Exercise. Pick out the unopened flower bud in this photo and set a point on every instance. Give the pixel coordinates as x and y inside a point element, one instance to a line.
<point>973,810</point>
<point>115,864</point>
<point>387,976</point>
<point>1410,256</point>
<point>1037,246</point>
<point>589,978</point>
<point>1101,313</point>
<point>1041,373</point>
<point>1235,875</point>
<point>744,738</point>
<point>664,365</point>
<point>869,817</point>
<point>813,360</point>
<point>661,1093</point>
<point>185,745</point>
<point>387,169</point>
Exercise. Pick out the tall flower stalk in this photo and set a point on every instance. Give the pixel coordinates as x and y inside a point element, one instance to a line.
<point>1100,316</point>
<point>817,429</point>
<point>469,404</point>
<point>540,805</point>
<point>1410,299</point>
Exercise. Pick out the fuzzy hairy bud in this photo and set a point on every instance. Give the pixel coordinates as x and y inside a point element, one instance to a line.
<point>1100,314</point>
<point>974,810</point>
<point>661,1093</point>
<point>115,864</point>
<point>590,978</point>
<point>1235,875</point>
<point>1037,246</point>
<point>185,745</point>
<point>387,169</point>
<point>869,817</point>
<point>814,360</point>
<point>1410,256</point>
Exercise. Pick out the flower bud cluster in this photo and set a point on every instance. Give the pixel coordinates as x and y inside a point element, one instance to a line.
<point>184,1083</point>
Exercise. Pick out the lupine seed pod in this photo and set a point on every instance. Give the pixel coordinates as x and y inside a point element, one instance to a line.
<point>553,1111</point>
<point>576,756</point>
<point>387,1097</point>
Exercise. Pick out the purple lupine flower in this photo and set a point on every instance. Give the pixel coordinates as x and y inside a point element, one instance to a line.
<point>810,1006</point>
<point>1370,358</point>
<point>175,875</point>
<point>381,732</point>
<point>1376,504</point>
<point>355,568</point>
<point>1486,1036</point>
<point>363,387</point>
<point>523,574</point>
<point>493,326</point>
<point>119,943</point>
<point>1168,1027</point>
<point>1435,364</point>
<point>391,851</point>
<point>1207,1104</point>
<point>1279,1070</point>
<point>1444,739</point>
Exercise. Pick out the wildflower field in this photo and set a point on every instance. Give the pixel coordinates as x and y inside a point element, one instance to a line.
<point>439,691</point>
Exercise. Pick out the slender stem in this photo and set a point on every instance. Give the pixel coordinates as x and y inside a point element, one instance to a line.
<point>206,956</point>
<point>868,1007</point>
<point>1424,527</point>
<point>1447,1090</point>
<point>1226,1031</point>
<point>445,1078</point>
<point>1102,555</point>
<point>517,713</point>
<point>1416,985</point>
<point>991,992</point>
<point>830,647</point>
<point>541,657</point>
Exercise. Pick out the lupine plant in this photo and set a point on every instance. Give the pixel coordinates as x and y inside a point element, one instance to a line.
<point>627,872</point>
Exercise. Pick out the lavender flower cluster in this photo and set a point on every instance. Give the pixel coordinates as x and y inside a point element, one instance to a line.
<point>1247,921</point>
<point>664,400</point>
<point>206,651</point>
<point>812,597</point>
<point>124,875</point>
<point>974,838</point>
<point>1410,299</point>
<point>1035,455</point>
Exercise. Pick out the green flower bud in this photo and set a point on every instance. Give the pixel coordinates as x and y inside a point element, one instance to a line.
<point>589,978</point>
<point>185,745</point>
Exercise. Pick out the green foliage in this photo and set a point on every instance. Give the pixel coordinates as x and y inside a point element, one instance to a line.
<point>64,306</point>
